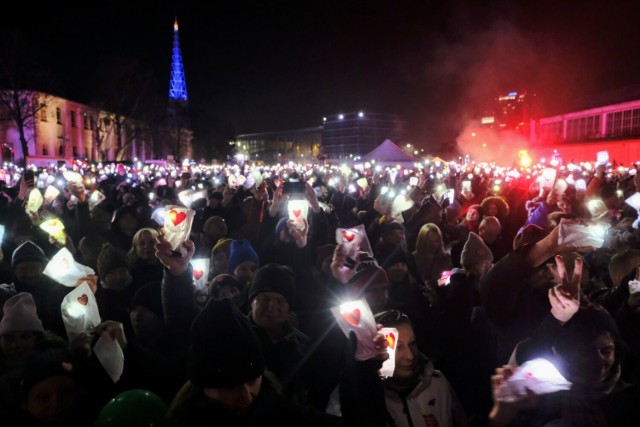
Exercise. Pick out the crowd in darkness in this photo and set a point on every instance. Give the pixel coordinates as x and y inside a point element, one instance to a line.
<point>478,281</point>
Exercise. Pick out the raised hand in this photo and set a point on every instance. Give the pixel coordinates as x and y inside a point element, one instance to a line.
<point>565,296</point>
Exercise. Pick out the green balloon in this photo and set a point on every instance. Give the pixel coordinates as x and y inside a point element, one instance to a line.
<point>133,408</point>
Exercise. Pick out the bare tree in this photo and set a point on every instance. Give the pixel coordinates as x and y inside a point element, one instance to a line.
<point>127,93</point>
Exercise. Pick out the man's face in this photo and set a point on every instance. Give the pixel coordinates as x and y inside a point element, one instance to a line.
<point>29,272</point>
<point>406,353</point>
<point>245,271</point>
<point>270,310</point>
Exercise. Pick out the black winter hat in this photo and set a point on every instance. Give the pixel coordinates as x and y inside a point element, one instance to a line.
<point>51,360</point>
<point>28,251</point>
<point>274,278</point>
<point>224,350</point>
<point>150,297</point>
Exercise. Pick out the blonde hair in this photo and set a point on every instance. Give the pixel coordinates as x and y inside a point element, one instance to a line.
<point>132,255</point>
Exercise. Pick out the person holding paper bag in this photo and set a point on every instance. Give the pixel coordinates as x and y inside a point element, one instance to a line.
<point>228,385</point>
<point>584,342</point>
<point>417,392</point>
<point>28,262</point>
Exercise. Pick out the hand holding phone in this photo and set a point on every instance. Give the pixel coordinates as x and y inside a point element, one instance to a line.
<point>291,187</point>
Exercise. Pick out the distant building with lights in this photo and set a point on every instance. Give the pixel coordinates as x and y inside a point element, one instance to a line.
<point>279,147</point>
<point>510,112</point>
<point>357,133</point>
<point>341,136</point>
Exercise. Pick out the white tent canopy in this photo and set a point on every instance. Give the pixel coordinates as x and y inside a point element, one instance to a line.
<point>389,154</point>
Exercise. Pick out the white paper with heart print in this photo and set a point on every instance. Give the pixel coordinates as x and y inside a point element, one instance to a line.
<point>55,228</point>
<point>80,311</point>
<point>34,202</point>
<point>65,270</point>
<point>537,375</point>
<point>177,224</point>
<point>110,355</point>
<point>95,199</point>
<point>298,210</point>
<point>389,365</point>
<point>355,239</point>
<point>548,177</point>
<point>356,316</point>
<point>200,273</point>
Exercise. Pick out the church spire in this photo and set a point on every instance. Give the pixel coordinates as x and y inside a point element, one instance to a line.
<point>178,84</point>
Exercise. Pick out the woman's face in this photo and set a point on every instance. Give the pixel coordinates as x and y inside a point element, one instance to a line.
<point>473,215</point>
<point>564,206</point>
<point>492,210</point>
<point>145,249</point>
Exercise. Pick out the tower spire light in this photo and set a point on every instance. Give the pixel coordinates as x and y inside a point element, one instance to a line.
<point>178,85</point>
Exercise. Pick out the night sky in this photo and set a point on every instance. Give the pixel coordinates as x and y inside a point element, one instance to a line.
<point>274,65</point>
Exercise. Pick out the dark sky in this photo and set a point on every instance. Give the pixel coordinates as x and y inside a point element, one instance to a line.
<point>273,65</point>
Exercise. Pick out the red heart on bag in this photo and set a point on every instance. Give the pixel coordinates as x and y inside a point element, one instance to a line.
<point>353,317</point>
<point>197,274</point>
<point>297,212</point>
<point>430,420</point>
<point>348,235</point>
<point>177,217</point>
<point>83,299</point>
<point>391,339</point>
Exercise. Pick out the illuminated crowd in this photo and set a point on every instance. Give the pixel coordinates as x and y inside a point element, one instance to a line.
<point>191,294</point>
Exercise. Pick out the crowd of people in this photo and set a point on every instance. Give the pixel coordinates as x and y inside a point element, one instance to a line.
<point>479,268</point>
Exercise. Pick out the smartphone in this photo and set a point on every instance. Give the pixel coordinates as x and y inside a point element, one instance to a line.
<point>29,178</point>
<point>466,185</point>
<point>1,232</point>
<point>290,187</point>
<point>413,181</point>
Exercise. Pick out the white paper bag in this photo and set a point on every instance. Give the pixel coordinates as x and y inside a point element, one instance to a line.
<point>298,210</point>
<point>80,311</point>
<point>110,355</point>
<point>34,202</point>
<point>177,224</point>
<point>389,365</point>
<point>95,199</point>
<point>357,316</point>
<point>538,375</point>
<point>64,269</point>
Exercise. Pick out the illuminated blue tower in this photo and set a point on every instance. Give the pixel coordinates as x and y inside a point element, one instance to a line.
<point>178,85</point>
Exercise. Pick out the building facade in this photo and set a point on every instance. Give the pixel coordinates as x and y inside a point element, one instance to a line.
<point>357,133</point>
<point>58,129</point>
<point>279,147</point>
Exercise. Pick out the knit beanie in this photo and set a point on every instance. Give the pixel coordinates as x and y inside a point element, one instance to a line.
<point>20,315</point>
<point>51,361</point>
<point>110,258</point>
<point>475,251</point>
<point>222,280</point>
<point>28,251</point>
<point>149,296</point>
<point>241,251</point>
<point>274,278</point>
<point>224,245</point>
<point>390,227</point>
<point>368,273</point>
<point>224,351</point>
